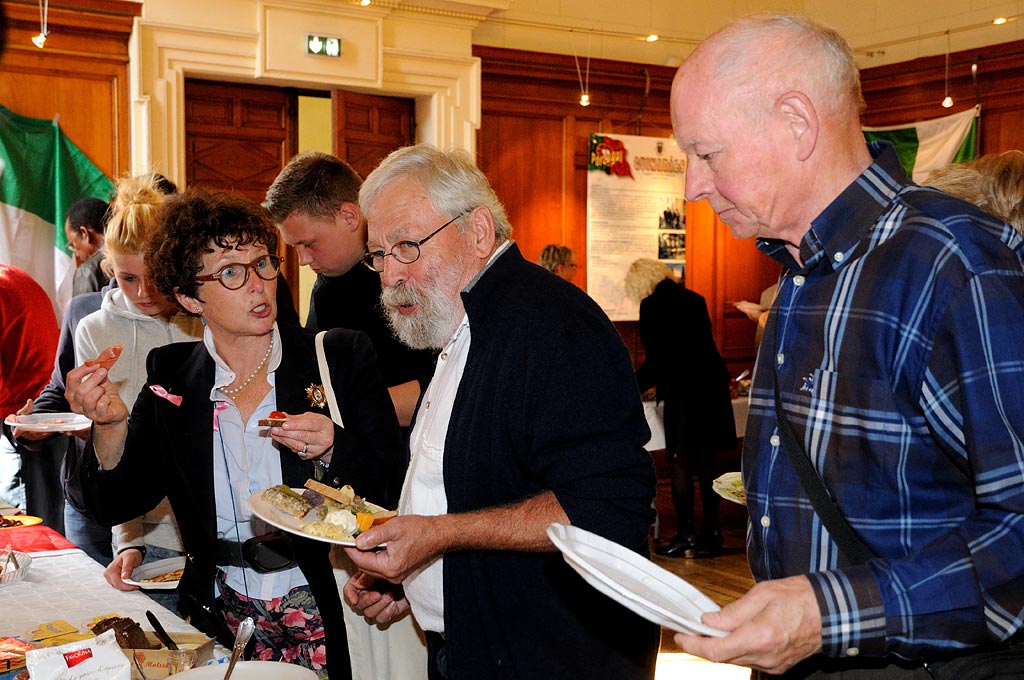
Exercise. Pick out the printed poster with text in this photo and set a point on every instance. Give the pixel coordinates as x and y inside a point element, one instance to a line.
<point>635,208</point>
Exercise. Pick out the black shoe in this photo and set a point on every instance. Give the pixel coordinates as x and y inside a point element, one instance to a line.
<point>708,544</point>
<point>678,546</point>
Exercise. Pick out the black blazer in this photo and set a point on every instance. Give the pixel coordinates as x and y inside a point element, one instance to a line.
<point>169,452</point>
<point>682,361</point>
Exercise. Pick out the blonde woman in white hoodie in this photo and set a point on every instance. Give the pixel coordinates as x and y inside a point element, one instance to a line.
<point>136,315</point>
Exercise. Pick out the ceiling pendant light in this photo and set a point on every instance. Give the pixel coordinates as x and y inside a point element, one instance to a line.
<point>584,83</point>
<point>948,101</point>
<point>44,11</point>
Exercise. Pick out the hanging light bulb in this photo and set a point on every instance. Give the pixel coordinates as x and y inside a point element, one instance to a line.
<point>584,83</point>
<point>948,101</point>
<point>44,12</point>
<point>584,99</point>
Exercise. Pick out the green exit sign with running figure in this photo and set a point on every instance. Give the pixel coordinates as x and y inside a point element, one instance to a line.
<point>323,45</point>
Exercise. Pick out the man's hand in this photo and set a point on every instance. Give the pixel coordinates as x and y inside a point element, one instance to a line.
<point>379,606</point>
<point>771,628</point>
<point>412,541</point>
<point>121,568</point>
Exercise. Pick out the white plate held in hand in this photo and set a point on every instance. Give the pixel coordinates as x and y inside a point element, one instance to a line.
<point>634,582</point>
<point>156,568</point>
<point>49,422</point>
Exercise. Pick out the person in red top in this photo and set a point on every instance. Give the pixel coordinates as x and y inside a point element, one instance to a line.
<point>28,343</point>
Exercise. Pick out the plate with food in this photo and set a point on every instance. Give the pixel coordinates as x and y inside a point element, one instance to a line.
<point>14,521</point>
<point>49,422</point>
<point>159,574</point>
<point>730,487</point>
<point>319,511</point>
<point>633,581</point>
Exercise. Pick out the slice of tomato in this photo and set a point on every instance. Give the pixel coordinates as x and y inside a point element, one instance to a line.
<point>278,414</point>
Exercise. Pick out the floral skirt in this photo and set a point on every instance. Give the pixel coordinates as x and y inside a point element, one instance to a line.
<point>288,628</point>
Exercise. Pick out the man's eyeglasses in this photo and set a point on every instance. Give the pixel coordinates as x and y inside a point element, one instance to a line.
<point>234,276</point>
<point>405,252</point>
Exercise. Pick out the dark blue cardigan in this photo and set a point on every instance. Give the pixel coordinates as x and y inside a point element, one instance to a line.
<point>547,401</point>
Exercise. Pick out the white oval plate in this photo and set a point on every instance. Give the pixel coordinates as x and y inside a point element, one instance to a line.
<point>49,422</point>
<point>151,569</point>
<point>634,582</point>
<point>292,524</point>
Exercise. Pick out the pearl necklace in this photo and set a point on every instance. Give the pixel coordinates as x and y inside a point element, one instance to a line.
<point>263,362</point>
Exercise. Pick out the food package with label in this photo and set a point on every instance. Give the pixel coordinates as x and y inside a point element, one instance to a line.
<point>99,658</point>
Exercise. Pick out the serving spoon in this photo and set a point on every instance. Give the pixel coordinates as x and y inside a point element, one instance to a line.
<point>245,631</point>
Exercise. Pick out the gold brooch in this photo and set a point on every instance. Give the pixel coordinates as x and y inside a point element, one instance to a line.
<point>316,395</point>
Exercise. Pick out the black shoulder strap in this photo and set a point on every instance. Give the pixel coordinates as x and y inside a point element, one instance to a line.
<point>838,528</point>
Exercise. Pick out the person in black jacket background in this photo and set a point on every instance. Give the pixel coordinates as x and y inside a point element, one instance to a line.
<point>683,364</point>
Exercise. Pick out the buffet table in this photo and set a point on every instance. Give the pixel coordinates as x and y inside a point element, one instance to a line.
<point>65,584</point>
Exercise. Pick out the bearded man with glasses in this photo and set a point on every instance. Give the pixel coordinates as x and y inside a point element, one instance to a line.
<point>532,417</point>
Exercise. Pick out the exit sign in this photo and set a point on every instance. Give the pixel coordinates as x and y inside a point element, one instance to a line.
<point>323,45</point>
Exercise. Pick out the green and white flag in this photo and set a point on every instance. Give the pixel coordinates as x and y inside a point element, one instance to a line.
<point>932,144</point>
<point>42,173</point>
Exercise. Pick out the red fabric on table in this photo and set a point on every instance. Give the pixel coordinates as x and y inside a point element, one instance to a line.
<point>38,538</point>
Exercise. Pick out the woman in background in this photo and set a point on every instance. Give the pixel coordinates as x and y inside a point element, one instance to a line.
<point>683,364</point>
<point>559,260</point>
<point>136,315</point>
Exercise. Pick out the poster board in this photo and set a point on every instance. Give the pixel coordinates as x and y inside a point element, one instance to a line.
<point>635,208</point>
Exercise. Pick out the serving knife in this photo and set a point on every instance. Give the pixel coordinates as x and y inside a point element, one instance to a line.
<point>160,632</point>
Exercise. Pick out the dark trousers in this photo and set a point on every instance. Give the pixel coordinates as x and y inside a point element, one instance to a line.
<point>688,461</point>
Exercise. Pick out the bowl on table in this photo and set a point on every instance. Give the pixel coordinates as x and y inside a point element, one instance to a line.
<point>10,573</point>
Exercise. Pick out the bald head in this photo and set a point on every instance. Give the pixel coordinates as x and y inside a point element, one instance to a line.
<point>768,54</point>
<point>767,110</point>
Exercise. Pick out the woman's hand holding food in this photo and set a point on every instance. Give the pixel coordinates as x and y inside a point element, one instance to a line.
<point>91,394</point>
<point>309,434</point>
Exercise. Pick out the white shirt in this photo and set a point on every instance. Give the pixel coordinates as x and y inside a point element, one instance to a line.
<point>245,461</point>
<point>423,491</point>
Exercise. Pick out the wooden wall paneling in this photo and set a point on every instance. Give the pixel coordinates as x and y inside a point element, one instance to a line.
<point>81,75</point>
<point>369,127</point>
<point>237,138</point>
<point>912,91</point>
<point>526,97</point>
<point>522,158</point>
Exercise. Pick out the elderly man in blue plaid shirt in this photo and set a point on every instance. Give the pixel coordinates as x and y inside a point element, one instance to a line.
<point>896,345</point>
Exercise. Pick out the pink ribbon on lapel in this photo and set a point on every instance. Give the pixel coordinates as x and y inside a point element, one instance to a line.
<point>218,406</point>
<point>164,394</point>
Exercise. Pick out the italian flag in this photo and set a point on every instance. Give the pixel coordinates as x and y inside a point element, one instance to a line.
<point>932,144</point>
<point>42,173</point>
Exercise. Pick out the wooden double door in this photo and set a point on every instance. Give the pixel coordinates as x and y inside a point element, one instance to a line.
<point>238,137</point>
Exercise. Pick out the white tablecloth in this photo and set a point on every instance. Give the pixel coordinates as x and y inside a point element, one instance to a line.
<point>655,414</point>
<point>71,587</point>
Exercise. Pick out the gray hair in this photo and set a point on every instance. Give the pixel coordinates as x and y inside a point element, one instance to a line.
<point>814,53</point>
<point>453,183</point>
<point>643,277</point>
<point>553,256</point>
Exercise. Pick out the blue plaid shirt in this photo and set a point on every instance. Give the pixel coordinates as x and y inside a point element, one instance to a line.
<point>900,363</point>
